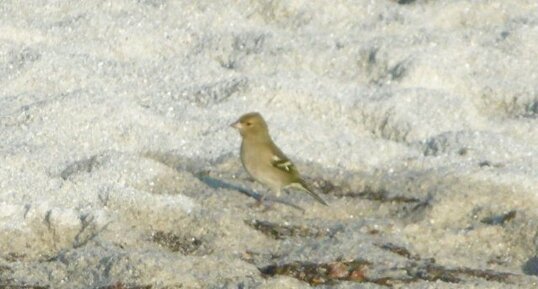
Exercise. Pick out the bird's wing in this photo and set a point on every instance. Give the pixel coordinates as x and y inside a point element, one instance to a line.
<point>283,164</point>
<point>280,161</point>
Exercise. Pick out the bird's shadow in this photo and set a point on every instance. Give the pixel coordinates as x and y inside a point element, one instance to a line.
<point>220,184</point>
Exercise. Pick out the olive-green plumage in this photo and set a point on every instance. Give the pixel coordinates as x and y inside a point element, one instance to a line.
<point>263,160</point>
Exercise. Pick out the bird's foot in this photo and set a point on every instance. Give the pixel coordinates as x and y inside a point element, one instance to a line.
<point>263,204</point>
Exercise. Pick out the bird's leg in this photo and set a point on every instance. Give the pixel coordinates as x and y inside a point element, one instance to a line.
<point>267,201</point>
<point>264,203</point>
<point>278,192</point>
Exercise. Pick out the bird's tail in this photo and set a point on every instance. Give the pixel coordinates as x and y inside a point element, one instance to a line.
<point>302,185</point>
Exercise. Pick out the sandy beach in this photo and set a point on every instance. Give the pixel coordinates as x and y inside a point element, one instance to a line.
<point>417,121</point>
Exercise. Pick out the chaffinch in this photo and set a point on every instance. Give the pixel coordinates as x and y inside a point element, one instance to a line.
<point>264,161</point>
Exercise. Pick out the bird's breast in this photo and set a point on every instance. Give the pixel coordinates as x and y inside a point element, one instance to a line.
<point>257,163</point>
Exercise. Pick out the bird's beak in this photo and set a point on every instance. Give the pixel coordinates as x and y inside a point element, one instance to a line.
<point>236,125</point>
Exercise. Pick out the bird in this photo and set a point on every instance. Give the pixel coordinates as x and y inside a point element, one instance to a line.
<point>264,161</point>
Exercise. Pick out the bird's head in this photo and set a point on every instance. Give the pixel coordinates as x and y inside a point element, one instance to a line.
<point>251,124</point>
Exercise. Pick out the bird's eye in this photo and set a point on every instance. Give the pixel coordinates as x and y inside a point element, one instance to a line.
<point>248,123</point>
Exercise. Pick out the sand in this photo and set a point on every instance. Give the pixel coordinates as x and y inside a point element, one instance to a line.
<point>417,121</point>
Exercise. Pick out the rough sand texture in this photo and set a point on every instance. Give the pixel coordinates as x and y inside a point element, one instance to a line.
<point>416,120</point>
